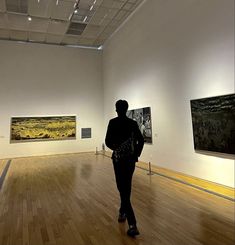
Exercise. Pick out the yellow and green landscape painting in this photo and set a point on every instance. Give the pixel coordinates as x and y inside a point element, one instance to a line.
<point>43,128</point>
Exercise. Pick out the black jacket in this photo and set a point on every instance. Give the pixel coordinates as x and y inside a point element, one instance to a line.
<point>119,130</point>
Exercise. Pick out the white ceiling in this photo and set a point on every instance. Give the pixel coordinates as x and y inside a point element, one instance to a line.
<point>63,22</point>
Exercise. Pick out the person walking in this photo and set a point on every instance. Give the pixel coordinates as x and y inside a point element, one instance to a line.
<point>125,139</point>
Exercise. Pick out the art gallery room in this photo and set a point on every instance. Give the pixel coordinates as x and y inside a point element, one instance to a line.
<point>66,178</point>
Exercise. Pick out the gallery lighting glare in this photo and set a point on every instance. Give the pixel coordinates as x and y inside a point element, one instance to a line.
<point>92,6</point>
<point>70,16</point>
<point>38,1</point>
<point>29,18</point>
<point>80,46</point>
<point>57,2</point>
<point>94,2</point>
<point>75,11</point>
<point>85,19</point>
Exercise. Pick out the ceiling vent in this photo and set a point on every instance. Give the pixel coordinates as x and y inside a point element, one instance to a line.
<point>76,28</point>
<point>17,6</point>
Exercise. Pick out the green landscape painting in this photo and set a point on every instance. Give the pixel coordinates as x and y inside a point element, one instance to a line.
<point>25,129</point>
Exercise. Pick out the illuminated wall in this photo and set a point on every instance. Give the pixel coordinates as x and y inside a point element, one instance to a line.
<point>50,80</point>
<point>168,53</point>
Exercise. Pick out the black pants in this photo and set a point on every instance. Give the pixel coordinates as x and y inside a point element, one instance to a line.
<point>123,173</point>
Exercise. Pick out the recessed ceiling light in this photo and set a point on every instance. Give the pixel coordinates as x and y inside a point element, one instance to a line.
<point>29,18</point>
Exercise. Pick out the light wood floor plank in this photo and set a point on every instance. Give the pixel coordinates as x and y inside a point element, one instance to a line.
<point>2,165</point>
<point>72,199</point>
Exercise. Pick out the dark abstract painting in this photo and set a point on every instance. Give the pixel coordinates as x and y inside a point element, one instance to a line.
<point>143,118</point>
<point>214,123</point>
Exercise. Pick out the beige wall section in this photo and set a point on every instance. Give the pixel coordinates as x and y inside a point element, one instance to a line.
<point>50,80</point>
<point>168,53</point>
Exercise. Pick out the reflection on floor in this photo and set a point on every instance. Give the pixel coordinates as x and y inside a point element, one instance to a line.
<point>72,199</point>
<point>3,172</point>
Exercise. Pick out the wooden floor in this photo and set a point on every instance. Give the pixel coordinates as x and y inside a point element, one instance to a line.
<point>2,164</point>
<point>72,200</point>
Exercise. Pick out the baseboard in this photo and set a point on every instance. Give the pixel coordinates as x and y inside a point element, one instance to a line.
<point>204,185</point>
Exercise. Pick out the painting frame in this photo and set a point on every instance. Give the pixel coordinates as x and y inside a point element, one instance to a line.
<point>143,118</point>
<point>58,128</point>
<point>213,124</point>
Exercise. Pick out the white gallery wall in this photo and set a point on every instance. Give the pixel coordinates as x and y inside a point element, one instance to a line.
<point>44,80</point>
<point>166,54</point>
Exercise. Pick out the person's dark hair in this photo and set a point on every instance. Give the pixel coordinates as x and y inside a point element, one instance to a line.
<point>121,106</point>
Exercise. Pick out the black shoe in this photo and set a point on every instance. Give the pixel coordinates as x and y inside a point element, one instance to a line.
<point>133,231</point>
<point>121,218</point>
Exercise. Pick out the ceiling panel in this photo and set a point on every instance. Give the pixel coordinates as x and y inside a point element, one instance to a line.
<point>92,31</point>
<point>4,34</point>
<point>87,22</point>
<point>91,2</point>
<point>70,40</point>
<point>19,35</point>
<point>76,28</point>
<point>58,27</point>
<point>17,6</point>
<point>86,41</point>
<point>100,20</point>
<point>63,10</point>
<point>108,30</point>
<point>121,15</point>
<point>82,15</point>
<point>36,36</point>
<point>113,3</point>
<point>98,42</point>
<point>103,13</point>
<point>86,4</point>
<point>42,8</point>
<point>38,24</point>
<point>78,18</point>
<point>104,35</point>
<point>18,22</point>
<point>128,6</point>
<point>3,21</point>
<point>133,1</point>
<point>115,23</point>
<point>2,5</point>
<point>56,39</point>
